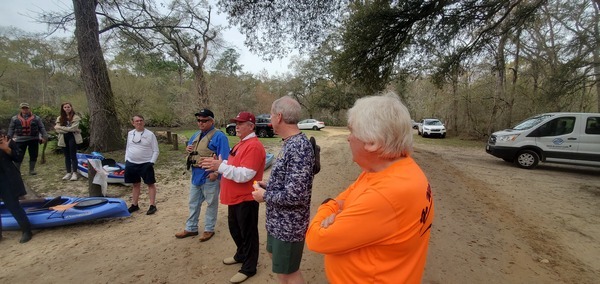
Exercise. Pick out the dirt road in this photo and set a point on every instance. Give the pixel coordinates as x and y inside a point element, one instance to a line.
<point>494,223</point>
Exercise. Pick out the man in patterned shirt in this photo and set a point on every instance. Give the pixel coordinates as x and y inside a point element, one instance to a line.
<point>288,192</point>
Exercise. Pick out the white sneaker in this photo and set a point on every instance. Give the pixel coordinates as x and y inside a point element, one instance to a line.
<point>67,176</point>
<point>74,176</point>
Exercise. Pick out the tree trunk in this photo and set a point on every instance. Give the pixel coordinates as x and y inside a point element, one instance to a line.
<point>513,91</point>
<point>105,129</point>
<point>500,83</point>
<point>454,113</point>
<point>201,88</point>
<point>597,55</point>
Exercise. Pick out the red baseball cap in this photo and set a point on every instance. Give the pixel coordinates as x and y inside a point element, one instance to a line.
<point>243,117</point>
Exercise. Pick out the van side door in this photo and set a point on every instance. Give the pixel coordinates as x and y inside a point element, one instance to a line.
<point>559,137</point>
<point>589,144</point>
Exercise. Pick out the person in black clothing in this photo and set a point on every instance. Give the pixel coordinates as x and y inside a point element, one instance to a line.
<point>12,185</point>
<point>27,129</point>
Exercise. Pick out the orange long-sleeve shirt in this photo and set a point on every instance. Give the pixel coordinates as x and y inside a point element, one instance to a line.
<point>382,233</point>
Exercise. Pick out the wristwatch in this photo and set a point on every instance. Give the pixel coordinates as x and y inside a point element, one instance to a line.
<point>327,200</point>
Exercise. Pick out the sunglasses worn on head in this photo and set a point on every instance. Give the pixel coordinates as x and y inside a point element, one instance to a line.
<point>203,120</point>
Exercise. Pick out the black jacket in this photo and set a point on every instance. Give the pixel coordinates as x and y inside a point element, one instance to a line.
<point>10,177</point>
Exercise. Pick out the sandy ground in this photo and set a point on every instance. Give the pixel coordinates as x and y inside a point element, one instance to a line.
<point>494,223</point>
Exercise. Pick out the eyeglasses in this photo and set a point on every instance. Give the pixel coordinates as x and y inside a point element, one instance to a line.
<point>203,120</point>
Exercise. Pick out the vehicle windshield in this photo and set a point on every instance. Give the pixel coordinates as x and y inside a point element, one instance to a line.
<point>433,122</point>
<point>531,122</point>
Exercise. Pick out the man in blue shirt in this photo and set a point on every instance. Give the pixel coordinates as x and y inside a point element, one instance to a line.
<point>205,143</point>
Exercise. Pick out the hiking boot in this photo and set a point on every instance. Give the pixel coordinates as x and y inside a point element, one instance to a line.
<point>151,210</point>
<point>32,169</point>
<point>133,208</point>
<point>27,235</point>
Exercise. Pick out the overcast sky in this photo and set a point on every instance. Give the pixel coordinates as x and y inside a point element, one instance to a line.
<point>14,13</point>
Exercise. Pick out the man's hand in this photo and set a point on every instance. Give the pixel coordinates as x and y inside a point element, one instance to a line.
<point>4,146</point>
<point>213,176</point>
<point>259,195</point>
<point>211,164</point>
<point>189,148</point>
<point>328,221</point>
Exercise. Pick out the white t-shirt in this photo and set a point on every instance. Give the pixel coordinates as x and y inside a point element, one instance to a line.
<point>142,147</point>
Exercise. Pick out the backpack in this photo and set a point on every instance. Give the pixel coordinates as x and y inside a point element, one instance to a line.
<point>317,151</point>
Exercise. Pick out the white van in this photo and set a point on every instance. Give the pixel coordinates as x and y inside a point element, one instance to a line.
<point>560,137</point>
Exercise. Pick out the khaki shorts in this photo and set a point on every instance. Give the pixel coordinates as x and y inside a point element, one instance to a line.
<point>286,255</point>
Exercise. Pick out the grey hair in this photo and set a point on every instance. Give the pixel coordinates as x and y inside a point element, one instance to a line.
<point>289,108</point>
<point>383,120</point>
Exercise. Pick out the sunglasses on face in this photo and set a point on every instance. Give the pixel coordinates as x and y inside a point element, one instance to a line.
<point>203,120</point>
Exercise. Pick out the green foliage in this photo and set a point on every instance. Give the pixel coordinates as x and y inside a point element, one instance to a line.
<point>84,126</point>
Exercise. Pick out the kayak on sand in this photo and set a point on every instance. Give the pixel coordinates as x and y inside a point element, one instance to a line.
<point>63,210</point>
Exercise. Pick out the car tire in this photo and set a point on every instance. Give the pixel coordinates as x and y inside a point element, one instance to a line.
<point>230,131</point>
<point>315,128</point>
<point>443,135</point>
<point>527,159</point>
<point>418,132</point>
<point>262,133</point>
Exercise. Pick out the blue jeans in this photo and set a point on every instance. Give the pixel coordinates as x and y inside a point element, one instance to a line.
<point>209,191</point>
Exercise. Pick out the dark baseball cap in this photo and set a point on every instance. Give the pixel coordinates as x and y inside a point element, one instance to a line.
<point>205,113</point>
<point>243,117</point>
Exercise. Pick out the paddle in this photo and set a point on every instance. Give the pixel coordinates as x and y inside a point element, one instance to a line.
<point>43,161</point>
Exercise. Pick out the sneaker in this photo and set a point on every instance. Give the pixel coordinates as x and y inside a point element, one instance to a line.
<point>67,176</point>
<point>238,278</point>
<point>133,208</point>
<point>73,176</point>
<point>230,260</point>
<point>151,210</point>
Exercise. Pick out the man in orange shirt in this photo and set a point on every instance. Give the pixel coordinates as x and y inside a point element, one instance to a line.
<point>377,230</point>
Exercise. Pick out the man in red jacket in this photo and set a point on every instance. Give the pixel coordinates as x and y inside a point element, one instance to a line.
<point>245,165</point>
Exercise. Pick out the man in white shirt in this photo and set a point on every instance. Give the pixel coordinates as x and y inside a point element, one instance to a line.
<point>140,155</point>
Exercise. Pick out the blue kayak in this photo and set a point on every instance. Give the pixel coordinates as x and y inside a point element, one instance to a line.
<point>116,171</point>
<point>269,160</point>
<point>62,210</point>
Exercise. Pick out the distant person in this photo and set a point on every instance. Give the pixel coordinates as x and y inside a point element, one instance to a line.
<point>205,186</point>
<point>11,185</point>
<point>288,192</point>
<point>140,156</point>
<point>378,229</point>
<point>69,136</point>
<point>27,129</point>
<point>245,165</point>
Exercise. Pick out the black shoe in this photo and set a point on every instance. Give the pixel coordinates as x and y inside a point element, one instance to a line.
<point>26,237</point>
<point>151,210</point>
<point>133,208</point>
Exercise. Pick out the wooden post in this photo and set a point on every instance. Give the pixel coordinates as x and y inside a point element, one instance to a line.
<point>175,144</point>
<point>169,138</point>
<point>94,189</point>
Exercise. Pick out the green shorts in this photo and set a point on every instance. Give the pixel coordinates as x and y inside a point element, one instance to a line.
<point>286,255</point>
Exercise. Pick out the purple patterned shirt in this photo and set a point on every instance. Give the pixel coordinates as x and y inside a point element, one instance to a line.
<point>289,190</point>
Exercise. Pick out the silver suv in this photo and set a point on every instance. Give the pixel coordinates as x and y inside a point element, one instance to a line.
<point>431,127</point>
